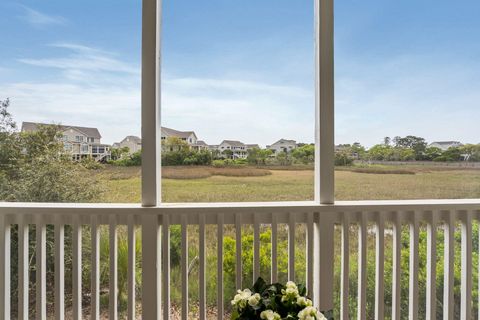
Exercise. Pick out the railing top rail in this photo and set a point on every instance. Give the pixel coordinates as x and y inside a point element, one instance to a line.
<point>294,206</point>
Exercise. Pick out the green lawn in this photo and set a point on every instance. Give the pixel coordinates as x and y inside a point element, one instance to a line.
<point>123,185</point>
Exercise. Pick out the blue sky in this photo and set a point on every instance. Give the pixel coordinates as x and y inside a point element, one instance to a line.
<point>244,69</point>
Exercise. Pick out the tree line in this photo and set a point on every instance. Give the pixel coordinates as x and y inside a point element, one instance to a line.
<point>410,148</point>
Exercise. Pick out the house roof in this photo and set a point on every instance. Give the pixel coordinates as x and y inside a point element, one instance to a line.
<point>176,133</point>
<point>254,145</point>
<point>89,132</point>
<point>200,143</point>
<point>446,143</point>
<point>234,143</point>
<point>132,138</point>
<point>284,141</point>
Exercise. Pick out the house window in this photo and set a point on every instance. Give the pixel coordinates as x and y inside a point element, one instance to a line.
<point>84,148</point>
<point>90,139</point>
<point>67,147</point>
<point>79,138</point>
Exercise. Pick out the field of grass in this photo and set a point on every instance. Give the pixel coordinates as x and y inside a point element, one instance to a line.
<point>203,184</point>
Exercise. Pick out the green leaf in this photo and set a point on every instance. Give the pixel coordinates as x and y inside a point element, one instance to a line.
<point>259,286</point>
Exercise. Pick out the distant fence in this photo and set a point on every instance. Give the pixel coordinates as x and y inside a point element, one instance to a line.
<point>460,164</point>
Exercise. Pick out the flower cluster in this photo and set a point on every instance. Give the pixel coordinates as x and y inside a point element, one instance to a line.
<point>244,298</point>
<point>274,302</point>
<point>310,313</point>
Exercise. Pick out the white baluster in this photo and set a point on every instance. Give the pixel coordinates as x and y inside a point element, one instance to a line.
<point>184,263</point>
<point>432,267</point>
<point>362,267</point>
<point>41,264</point>
<point>345,268</point>
<point>95,271</point>
<point>23,278</point>
<point>466,282</point>
<point>413,269</point>
<point>220,266</point>
<point>166,266</point>
<point>379,270</point>
<point>5,242</point>
<point>59,271</point>
<point>131,268</point>
<point>201,273</point>
<point>113,279</point>
<point>448,270</point>
<point>396,276</point>
<point>77,270</point>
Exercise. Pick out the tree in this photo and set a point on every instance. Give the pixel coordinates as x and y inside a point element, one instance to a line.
<point>380,152</point>
<point>386,141</point>
<point>174,144</point>
<point>417,144</point>
<point>283,158</point>
<point>431,153</point>
<point>470,152</point>
<point>304,154</point>
<point>118,153</point>
<point>35,167</point>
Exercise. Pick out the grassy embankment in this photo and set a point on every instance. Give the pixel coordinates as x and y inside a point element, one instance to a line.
<point>205,184</point>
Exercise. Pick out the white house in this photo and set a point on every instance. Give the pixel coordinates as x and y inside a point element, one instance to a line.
<point>133,143</point>
<point>238,148</point>
<point>283,145</point>
<point>188,136</point>
<point>81,142</point>
<point>445,145</point>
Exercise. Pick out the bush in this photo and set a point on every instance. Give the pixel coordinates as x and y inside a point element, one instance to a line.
<point>135,159</point>
<point>91,164</point>
<point>343,159</point>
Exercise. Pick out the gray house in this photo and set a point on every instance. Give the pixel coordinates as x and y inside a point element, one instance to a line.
<point>445,145</point>
<point>283,145</point>
<point>81,142</point>
<point>133,143</point>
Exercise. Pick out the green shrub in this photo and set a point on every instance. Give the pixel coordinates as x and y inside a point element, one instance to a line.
<point>135,159</point>
<point>343,159</point>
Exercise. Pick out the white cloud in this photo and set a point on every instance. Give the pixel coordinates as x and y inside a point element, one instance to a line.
<point>97,89</point>
<point>82,59</point>
<point>39,19</point>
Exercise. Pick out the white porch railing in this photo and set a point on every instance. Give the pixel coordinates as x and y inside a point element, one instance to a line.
<point>319,221</point>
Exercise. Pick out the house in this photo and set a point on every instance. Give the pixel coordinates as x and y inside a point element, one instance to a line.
<point>81,142</point>
<point>239,150</point>
<point>200,146</point>
<point>283,145</point>
<point>133,143</point>
<point>188,136</point>
<point>445,145</point>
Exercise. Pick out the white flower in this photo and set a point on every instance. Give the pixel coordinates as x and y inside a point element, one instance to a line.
<point>291,292</point>
<point>241,298</point>
<point>311,313</point>
<point>291,284</point>
<point>254,300</point>
<point>304,302</point>
<point>269,315</point>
